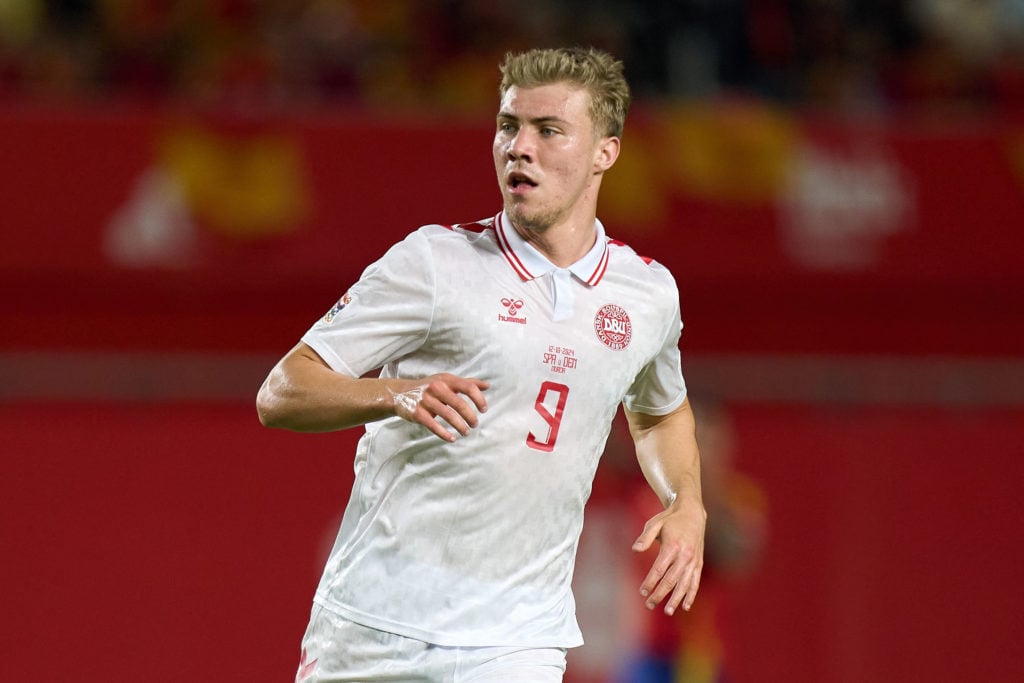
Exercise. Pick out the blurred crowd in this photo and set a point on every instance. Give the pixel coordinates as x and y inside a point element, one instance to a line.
<point>840,54</point>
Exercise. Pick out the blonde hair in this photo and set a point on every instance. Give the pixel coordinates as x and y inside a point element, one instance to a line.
<point>597,72</point>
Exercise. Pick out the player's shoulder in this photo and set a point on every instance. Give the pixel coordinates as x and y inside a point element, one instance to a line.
<point>642,276</point>
<point>624,256</point>
<point>432,239</point>
<point>455,240</point>
<point>458,231</point>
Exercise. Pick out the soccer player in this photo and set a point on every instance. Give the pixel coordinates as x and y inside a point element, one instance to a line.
<point>505,347</point>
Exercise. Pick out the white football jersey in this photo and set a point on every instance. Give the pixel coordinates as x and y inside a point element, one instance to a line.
<point>473,543</point>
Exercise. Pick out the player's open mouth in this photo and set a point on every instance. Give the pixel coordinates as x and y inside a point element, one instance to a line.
<point>519,181</point>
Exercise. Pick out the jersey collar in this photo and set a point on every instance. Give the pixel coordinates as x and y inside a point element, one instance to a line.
<point>530,263</point>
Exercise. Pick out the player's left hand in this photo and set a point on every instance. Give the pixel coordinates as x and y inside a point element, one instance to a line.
<point>441,396</point>
<point>675,574</point>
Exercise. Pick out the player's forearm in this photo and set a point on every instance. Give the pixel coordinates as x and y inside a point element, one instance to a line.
<point>305,396</point>
<point>666,448</point>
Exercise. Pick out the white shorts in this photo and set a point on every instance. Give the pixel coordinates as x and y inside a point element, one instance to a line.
<point>335,649</point>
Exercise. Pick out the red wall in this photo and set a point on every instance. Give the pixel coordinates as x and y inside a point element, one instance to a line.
<point>160,542</point>
<point>183,542</point>
<point>894,550</point>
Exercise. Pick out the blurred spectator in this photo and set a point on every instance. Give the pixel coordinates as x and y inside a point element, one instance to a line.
<point>837,54</point>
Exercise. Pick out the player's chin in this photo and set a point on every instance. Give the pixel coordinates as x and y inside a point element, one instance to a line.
<point>515,210</point>
<point>525,218</point>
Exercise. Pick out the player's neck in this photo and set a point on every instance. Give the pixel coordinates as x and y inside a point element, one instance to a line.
<point>565,242</point>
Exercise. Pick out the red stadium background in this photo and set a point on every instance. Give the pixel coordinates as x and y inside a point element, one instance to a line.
<point>853,293</point>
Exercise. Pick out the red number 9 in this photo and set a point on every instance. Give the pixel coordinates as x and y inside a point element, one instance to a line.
<point>553,420</point>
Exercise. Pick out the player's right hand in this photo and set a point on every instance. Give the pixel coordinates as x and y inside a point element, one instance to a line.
<point>442,396</point>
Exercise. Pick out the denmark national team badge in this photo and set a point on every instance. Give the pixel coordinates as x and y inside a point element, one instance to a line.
<point>345,300</point>
<point>613,327</point>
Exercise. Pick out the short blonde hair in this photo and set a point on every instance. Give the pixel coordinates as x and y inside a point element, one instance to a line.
<point>599,73</point>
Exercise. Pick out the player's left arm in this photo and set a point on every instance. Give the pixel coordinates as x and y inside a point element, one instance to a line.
<point>666,447</point>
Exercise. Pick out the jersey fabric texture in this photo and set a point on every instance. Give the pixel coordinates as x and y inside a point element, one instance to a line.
<point>473,543</point>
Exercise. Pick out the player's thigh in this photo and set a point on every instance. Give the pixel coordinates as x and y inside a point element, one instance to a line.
<point>336,650</point>
<point>511,665</point>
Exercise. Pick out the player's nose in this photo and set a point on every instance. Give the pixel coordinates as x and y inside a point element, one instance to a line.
<point>521,146</point>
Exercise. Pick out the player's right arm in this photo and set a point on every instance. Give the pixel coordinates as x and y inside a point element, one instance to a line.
<point>302,393</point>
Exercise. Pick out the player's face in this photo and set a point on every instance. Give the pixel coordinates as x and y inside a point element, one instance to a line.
<point>547,155</point>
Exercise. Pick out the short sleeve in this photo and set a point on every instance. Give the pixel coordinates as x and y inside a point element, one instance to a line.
<point>385,315</point>
<point>659,388</point>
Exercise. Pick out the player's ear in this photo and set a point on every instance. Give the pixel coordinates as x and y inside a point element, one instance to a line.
<point>606,154</point>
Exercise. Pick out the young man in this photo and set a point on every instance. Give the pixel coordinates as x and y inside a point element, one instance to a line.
<point>505,348</point>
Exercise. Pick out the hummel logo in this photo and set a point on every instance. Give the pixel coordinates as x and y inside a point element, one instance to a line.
<point>512,306</point>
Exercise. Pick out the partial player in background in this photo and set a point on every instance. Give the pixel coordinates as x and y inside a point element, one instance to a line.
<point>505,347</point>
<point>694,648</point>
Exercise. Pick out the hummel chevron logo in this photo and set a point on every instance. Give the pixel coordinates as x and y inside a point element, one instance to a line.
<point>512,307</point>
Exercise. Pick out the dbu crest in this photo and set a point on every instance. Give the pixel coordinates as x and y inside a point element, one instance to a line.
<point>613,327</point>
